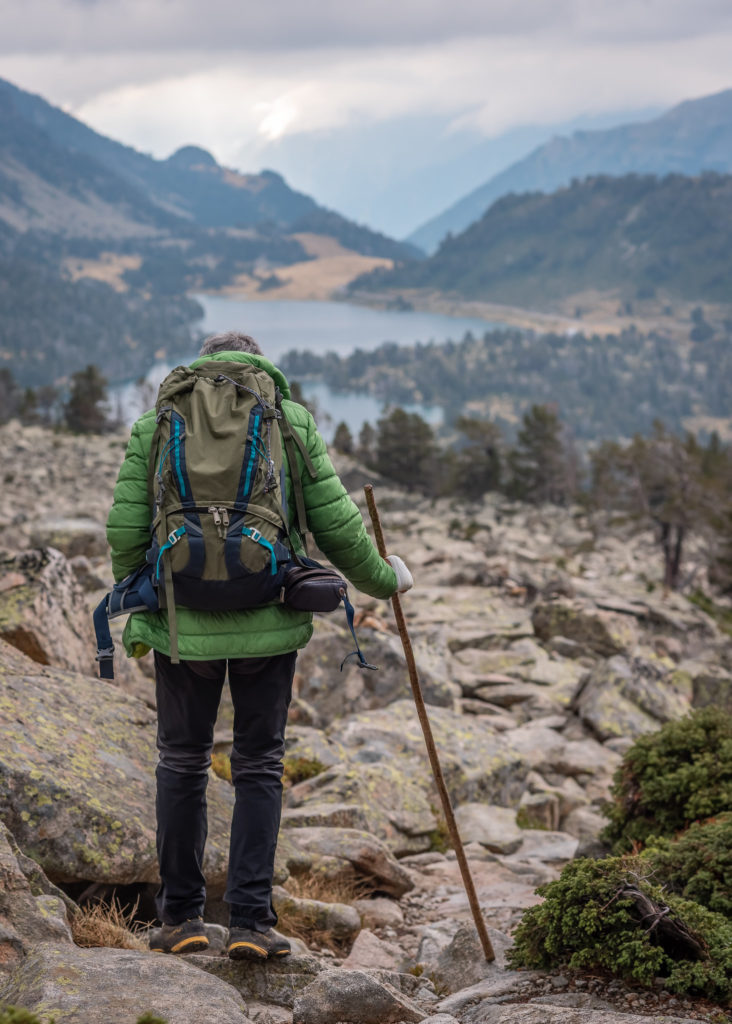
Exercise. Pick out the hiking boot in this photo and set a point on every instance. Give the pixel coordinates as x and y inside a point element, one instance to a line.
<point>188,937</point>
<point>246,944</point>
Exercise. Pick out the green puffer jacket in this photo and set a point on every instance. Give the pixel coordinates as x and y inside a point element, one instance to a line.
<point>333,519</point>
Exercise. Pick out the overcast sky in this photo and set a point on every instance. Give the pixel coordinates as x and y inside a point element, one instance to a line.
<point>224,73</point>
<point>241,77</point>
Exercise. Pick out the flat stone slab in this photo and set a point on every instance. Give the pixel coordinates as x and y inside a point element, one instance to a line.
<point>274,981</point>
<point>98,986</point>
<point>540,1013</point>
<point>547,847</point>
<point>354,996</point>
<point>491,826</point>
<point>336,815</point>
<point>368,855</point>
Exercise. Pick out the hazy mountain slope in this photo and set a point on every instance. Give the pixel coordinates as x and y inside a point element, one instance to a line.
<point>634,233</point>
<point>394,173</point>
<point>692,137</point>
<point>188,185</point>
<point>46,186</point>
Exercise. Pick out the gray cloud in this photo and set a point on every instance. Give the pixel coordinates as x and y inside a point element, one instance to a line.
<point>84,26</point>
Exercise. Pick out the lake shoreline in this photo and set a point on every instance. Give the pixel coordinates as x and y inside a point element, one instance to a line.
<point>306,326</point>
<point>592,313</point>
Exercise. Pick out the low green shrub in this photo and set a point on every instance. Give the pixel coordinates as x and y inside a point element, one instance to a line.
<point>671,778</point>
<point>17,1015</point>
<point>298,769</point>
<point>606,915</point>
<point>697,864</point>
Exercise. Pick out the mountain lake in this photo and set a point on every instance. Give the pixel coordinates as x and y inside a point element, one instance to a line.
<point>318,327</point>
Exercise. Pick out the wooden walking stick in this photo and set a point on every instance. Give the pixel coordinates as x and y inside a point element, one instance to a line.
<point>430,742</point>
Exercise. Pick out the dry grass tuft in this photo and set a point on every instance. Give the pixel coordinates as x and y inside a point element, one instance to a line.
<point>328,889</point>
<point>107,924</point>
<point>301,923</point>
<point>293,927</point>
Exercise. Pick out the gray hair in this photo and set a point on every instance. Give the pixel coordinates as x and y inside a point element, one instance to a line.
<point>230,341</point>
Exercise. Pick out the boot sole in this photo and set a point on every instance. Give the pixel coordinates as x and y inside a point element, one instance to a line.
<point>246,951</point>
<point>192,945</point>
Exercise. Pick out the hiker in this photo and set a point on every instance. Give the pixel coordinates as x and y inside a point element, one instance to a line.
<point>256,645</point>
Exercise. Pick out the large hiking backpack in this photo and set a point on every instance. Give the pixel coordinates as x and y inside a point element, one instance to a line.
<point>220,528</point>
<point>220,534</point>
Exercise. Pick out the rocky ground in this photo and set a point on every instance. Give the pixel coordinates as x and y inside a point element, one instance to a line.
<point>545,645</point>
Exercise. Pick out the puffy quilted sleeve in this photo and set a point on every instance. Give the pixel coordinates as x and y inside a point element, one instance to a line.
<point>128,525</point>
<point>335,521</point>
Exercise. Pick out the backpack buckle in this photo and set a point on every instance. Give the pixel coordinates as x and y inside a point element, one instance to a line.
<point>174,537</point>
<point>255,535</point>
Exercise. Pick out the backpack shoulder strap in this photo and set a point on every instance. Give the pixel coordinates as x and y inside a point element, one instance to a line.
<point>293,441</point>
<point>151,468</point>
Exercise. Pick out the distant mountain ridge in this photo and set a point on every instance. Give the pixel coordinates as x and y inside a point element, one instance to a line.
<point>635,235</point>
<point>189,186</point>
<point>692,137</point>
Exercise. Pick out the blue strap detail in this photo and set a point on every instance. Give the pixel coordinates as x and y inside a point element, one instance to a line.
<point>181,481</point>
<point>178,438</point>
<point>253,453</point>
<point>173,538</point>
<point>246,478</point>
<point>165,453</point>
<point>256,536</point>
<point>350,613</point>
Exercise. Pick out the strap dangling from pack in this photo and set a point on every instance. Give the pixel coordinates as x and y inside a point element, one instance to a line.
<point>105,645</point>
<point>172,617</point>
<point>165,551</point>
<point>350,613</point>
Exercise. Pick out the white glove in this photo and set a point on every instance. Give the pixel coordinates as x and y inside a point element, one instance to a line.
<point>403,575</point>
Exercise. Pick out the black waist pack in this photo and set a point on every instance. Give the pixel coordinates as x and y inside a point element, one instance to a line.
<point>310,587</point>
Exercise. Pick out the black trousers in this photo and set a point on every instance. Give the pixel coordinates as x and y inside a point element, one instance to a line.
<point>188,697</point>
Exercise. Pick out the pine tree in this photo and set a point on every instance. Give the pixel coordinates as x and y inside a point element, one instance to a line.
<point>9,395</point>
<point>406,451</point>
<point>366,450</point>
<point>84,410</point>
<point>664,480</point>
<point>476,466</point>
<point>540,463</point>
<point>28,408</point>
<point>343,439</point>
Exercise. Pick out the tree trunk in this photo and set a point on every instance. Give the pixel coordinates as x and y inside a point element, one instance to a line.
<point>672,541</point>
